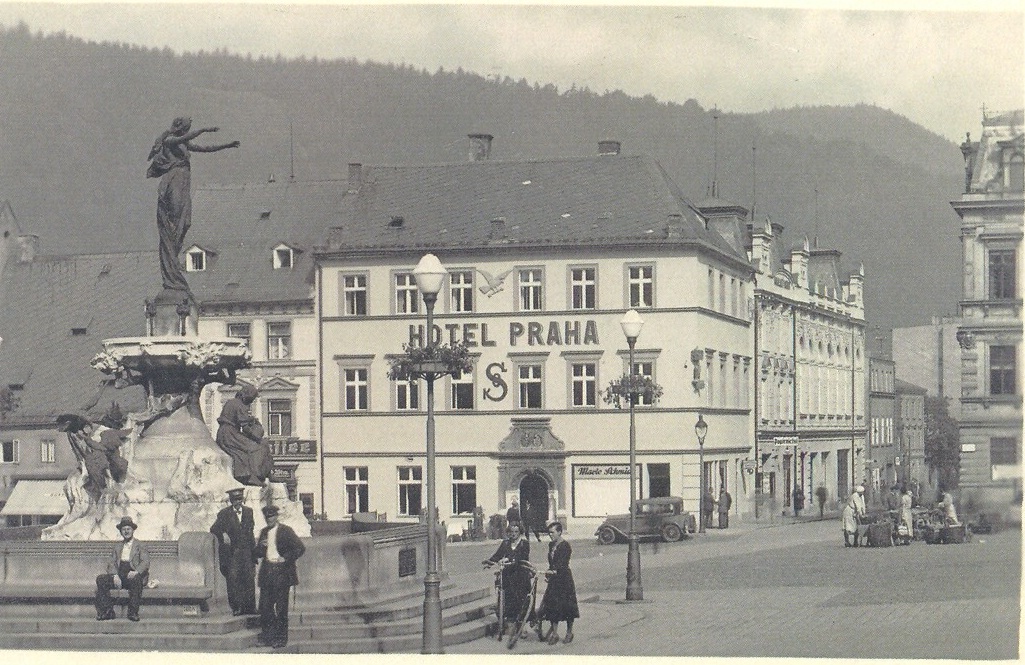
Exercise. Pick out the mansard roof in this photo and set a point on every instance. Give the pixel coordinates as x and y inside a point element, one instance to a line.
<point>244,224</point>
<point>57,311</point>
<point>605,200</point>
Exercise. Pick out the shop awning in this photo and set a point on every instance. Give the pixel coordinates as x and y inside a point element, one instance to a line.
<point>37,497</point>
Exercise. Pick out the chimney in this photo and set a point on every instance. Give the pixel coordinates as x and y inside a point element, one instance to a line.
<point>29,247</point>
<point>497,231</point>
<point>480,147</point>
<point>674,225</point>
<point>608,148</point>
<point>355,177</point>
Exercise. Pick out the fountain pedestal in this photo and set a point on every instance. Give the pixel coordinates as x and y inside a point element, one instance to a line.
<point>177,475</point>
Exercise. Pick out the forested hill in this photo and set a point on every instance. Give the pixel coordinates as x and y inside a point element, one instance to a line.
<point>77,120</point>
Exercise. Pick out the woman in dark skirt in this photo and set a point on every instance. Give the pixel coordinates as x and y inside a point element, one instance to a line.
<point>560,600</point>
<point>515,553</point>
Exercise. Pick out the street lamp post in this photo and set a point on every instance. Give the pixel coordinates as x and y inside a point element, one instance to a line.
<point>701,429</point>
<point>632,324</point>
<point>429,275</point>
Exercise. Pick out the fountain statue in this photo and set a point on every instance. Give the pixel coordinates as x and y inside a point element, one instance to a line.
<point>172,476</point>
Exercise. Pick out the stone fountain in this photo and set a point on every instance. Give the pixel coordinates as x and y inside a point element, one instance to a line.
<point>177,476</point>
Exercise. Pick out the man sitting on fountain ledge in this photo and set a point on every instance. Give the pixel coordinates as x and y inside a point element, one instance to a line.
<point>127,568</point>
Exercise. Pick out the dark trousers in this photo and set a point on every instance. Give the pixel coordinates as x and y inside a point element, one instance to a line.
<point>274,605</point>
<point>724,520</point>
<point>105,582</point>
<point>241,582</point>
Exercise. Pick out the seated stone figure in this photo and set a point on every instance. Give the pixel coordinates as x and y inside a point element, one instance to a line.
<point>240,435</point>
<point>98,449</point>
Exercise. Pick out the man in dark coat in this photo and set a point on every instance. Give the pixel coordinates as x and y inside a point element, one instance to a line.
<point>234,529</point>
<point>278,547</point>
<point>725,503</point>
<point>707,507</point>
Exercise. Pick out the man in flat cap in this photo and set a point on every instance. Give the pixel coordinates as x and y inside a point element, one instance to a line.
<point>234,529</point>
<point>278,547</point>
<point>127,568</point>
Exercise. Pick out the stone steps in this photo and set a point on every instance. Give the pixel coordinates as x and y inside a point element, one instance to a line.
<point>127,635</point>
<point>84,626</point>
<point>407,643</point>
<point>391,626</point>
<point>348,629</point>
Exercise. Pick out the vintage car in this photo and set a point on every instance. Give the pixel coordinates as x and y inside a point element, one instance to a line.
<point>662,517</point>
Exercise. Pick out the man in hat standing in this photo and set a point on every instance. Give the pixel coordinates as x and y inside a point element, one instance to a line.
<point>278,547</point>
<point>234,529</point>
<point>127,568</point>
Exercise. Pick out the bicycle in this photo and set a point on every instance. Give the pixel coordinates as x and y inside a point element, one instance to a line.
<point>500,588</point>
<point>527,613</point>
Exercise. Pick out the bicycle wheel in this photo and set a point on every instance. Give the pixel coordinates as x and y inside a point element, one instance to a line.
<point>525,612</point>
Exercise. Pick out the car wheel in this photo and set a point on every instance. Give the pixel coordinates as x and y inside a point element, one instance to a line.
<point>671,533</point>
<point>606,536</point>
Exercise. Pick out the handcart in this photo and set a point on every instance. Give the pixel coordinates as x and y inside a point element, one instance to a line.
<point>877,528</point>
<point>939,530</point>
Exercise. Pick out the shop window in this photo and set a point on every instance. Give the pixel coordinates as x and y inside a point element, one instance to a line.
<point>357,489</point>
<point>658,480</point>
<point>279,417</point>
<point>641,286</point>
<point>354,295</point>
<point>464,490</point>
<point>1002,369</point>
<point>407,296</point>
<point>279,340</point>
<point>583,288</point>
<point>461,290</point>
<point>531,289</point>
<point>410,490</point>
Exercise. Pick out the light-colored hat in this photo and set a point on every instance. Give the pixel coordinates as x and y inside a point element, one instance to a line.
<point>236,491</point>
<point>860,489</point>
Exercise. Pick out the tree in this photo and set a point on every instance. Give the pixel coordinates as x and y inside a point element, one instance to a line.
<point>942,444</point>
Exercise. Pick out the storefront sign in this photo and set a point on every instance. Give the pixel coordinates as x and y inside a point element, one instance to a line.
<point>529,333</point>
<point>785,441</point>
<point>293,449</point>
<point>601,471</point>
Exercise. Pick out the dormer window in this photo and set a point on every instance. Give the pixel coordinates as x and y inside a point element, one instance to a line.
<point>195,260</point>
<point>284,257</point>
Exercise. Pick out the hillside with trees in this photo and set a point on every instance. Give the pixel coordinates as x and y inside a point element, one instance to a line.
<point>78,118</point>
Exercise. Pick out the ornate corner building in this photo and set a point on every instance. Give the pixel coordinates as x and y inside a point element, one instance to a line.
<point>990,334</point>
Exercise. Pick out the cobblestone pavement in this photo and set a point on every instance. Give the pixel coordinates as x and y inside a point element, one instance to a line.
<point>790,591</point>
